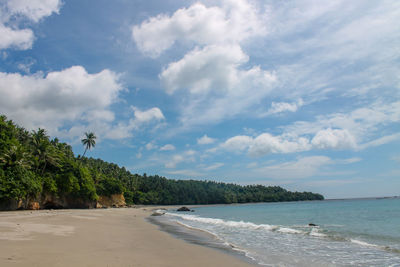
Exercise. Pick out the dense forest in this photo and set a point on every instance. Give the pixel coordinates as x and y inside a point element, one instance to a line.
<point>32,165</point>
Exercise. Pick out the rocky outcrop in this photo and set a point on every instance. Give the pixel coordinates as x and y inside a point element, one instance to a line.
<point>50,201</point>
<point>55,202</point>
<point>183,209</point>
<point>115,201</point>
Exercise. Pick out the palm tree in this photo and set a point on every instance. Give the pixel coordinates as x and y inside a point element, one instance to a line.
<point>40,145</point>
<point>89,141</point>
<point>15,155</point>
<point>44,150</point>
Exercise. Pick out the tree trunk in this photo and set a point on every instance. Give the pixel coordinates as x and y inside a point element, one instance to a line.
<point>84,152</point>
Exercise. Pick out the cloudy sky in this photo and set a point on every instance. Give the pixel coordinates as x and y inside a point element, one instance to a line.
<point>303,94</point>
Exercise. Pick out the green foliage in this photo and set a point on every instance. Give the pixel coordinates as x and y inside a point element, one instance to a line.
<point>17,182</point>
<point>31,164</point>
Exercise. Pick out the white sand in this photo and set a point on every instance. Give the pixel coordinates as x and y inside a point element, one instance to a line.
<point>98,237</point>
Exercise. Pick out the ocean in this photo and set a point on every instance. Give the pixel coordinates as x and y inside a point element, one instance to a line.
<point>357,232</point>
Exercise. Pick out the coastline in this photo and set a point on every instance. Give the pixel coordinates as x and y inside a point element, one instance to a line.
<point>98,237</point>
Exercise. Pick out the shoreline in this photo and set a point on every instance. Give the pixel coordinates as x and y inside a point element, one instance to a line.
<point>99,237</point>
<point>200,237</point>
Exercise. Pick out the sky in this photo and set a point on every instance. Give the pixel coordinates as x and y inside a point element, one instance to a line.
<point>301,94</point>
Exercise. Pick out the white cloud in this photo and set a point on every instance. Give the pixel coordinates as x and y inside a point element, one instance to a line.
<point>49,100</point>
<point>176,159</point>
<point>58,98</point>
<point>33,10</point>
<point>213,67</point>
<point>205,140</point>
<point>20,39</point>
<point>279,107</point>
<point>213,79</point>
<point>187,156</point>
<point>333,138</point>
<point>301,168</point>
<point>215,85</point>
<point>237,143</point>
<point>167,147</point>
<point>148,115</point>
<point>357,129</point>
<point>266,144</point>
<point>381,141</point>
<point>214,166</point>
<point>232,22</point>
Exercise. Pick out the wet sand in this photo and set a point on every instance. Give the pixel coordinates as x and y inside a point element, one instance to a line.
<point>98,237</point>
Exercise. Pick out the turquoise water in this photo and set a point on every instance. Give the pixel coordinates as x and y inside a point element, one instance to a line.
<point>364,232</point>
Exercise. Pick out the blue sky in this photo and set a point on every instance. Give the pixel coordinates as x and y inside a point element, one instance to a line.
<point>302,94</point>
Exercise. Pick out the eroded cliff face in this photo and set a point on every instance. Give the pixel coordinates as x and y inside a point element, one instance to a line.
<point>116,200</point>
<point>48,201</point>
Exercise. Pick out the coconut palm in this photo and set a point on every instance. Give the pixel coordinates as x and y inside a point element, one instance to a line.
<point>43,150</point>
<point>15,155</point>
<point>89,141</point>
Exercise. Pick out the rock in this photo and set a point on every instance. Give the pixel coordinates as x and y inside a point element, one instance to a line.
<point>311,224</point>
<point>158,213</point>
<point>34,205</point>
<point>183,209</point>
<point>115,201</point>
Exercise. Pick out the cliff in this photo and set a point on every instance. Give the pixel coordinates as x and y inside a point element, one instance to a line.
<point>54,202</point>
<point>115,200</point>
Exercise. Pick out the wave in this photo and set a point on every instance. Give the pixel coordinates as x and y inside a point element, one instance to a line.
<point>238,224</point>
<point>316,232</point>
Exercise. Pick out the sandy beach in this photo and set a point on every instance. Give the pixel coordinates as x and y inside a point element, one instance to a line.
<point>97,237</point>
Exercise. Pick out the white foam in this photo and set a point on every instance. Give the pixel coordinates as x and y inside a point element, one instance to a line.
<point>315,232</point>
<point>289,230</point>
<point>362,243</point>
<point>232,224</point>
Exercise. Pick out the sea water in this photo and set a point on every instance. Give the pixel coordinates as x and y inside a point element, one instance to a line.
<point>362,232</point>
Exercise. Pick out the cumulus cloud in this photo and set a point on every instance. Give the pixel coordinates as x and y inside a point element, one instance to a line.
<point>32,10</point>
<point>167,147</point>
<point>279,107</point>
<point>21,39</point>
<point>333,138</point>
<point>148,115</point>
<point>213,67</point>
<point>217,88</point>
<point>266,144</point>
<point>59,96</point>
<point>360,128</point>
<point>55,99</point>
<point>237,143</point>
<point>205,140</point>
<point>232,22</point>
<point>213,75</point>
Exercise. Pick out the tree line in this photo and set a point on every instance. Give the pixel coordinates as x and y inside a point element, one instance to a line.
<point>33,165</point>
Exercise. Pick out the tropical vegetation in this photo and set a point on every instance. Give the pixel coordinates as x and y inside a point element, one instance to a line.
<point>33,165</point>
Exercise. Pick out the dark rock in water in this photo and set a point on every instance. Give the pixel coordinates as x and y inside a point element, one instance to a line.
<point>183,209</point>
<point>192,210</point>
<point>311,224</point>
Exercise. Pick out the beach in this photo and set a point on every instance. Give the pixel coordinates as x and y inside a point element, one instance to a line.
<point>98,237</point>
